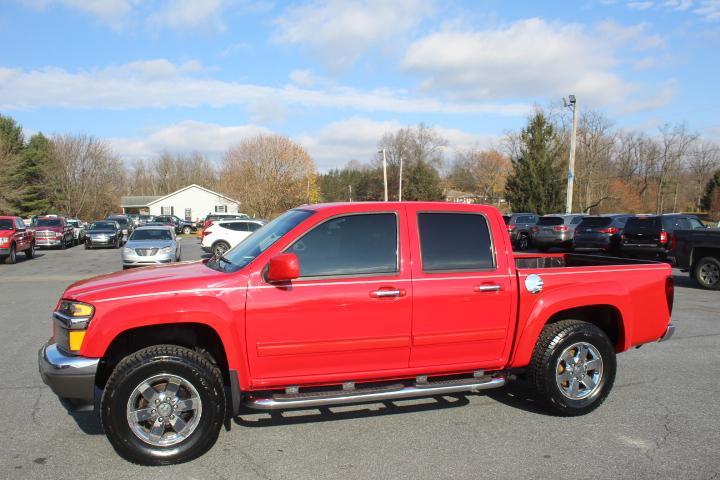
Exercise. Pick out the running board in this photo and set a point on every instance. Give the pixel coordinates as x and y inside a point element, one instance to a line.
<point>369,395</point>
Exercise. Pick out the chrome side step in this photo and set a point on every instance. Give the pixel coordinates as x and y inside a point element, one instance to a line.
<point>360,395</point>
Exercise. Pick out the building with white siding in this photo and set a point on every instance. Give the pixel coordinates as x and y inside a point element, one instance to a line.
<point>190,203</point>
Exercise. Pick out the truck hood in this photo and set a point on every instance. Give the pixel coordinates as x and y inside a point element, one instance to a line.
<point>149,244</point>
<point>149,280</point>
<point>50,229</point>
<point>101,231</point>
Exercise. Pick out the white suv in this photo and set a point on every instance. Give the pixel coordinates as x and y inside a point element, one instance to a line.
<point>222,235</point>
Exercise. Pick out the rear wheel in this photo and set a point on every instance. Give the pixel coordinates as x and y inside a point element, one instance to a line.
<point>219,248</point>
<point>523,241</point>
<point>572,368</point>
<point>707,273</point>
<point>30,252</point>
<point>163,405</point>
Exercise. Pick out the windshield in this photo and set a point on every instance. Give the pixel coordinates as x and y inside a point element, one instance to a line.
<point>151,234</point>
<point>642,225</point>
<point>122,221</point>
<point>103,226</point>
<point>6,224</point>
<point>74,223</point>
<point>550,221</point>
<point>594,222</point>
<point>247,250</point>
<point>49,222</point>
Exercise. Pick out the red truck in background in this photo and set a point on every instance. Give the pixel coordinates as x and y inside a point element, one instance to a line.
<point>346,303</point>
<point>15,238</point>
<point>53,231</point>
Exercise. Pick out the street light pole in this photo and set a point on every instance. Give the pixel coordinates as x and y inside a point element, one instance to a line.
<point>400,184</point>
<point>571,164</point>
<point>385,173</point>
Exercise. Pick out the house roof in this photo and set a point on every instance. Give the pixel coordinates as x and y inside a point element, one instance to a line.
<point>145,201</point>
<point>138,201</point>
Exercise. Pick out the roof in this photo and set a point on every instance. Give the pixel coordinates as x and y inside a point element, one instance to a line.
<point>147,200</point>
<point>138,201</point>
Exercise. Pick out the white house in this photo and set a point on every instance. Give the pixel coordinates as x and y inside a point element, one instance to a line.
<point>190,203</point>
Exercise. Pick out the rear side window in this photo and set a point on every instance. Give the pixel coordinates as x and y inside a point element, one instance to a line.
<point>596,222</point>
<point>695,223</point>
<point>642,225</point>
<point>363,244</point>
<point>576,220</point>
<point>550,221</point>
<point>454,241</point>
<point>670,224</point>
<point>526,219</point>
<point>236,226</point>
<point>252,226</point>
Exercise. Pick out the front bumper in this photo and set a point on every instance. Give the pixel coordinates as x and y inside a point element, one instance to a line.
<point>548,241</point>
<point>4,251</point>
<point>48,242</point>
<point>140,260</point>
<point>68,376</point>
<point>669,332</point>
<point>101,242</point>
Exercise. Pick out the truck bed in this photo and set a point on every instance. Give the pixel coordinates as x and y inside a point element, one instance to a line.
<point>560,260</point>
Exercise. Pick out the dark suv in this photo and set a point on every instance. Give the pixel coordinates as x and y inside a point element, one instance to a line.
<point>649,235</point>
<point>599,233</point>
<point>519,227</point>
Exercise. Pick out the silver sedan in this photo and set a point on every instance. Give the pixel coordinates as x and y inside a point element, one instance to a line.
<point>151,246</point>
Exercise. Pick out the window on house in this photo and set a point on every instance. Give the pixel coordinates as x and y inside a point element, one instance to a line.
<point>220,208</point>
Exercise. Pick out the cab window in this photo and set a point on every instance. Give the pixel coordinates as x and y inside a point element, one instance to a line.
<point>455,242</point>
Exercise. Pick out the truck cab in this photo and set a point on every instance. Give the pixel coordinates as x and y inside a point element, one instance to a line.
<point>346,303</point>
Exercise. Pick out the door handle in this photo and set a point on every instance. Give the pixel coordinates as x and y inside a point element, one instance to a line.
<point>386,293</point>
<point>489,287</point>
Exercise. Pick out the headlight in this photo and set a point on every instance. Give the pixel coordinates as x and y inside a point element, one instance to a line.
<point>4,240</point>
<point>129,251</point>
<point>166,249</point>
<point>74,317</point>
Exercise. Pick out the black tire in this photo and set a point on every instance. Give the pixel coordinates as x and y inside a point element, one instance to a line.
<point>11,257</point>
<point>545,368</point>
<point>141,366</point>
<point>87,246</point>
<point>30,252</point>
<point>707,273</point>
<point>63,244</point>
<point>523,241</point>
<point>220,247</point>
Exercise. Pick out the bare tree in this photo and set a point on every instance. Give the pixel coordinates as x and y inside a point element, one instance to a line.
<point>702,161</point>
<point>674,143</point>
<point>269,174</point>
<point>482,172</point>
<point>89,178</point>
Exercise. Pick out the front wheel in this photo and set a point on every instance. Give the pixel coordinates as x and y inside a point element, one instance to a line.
<point>572,368</point>
<point>707,273</point>
<point>30,252</point>
<point>12,256</point>
<point>163,405</point>
<point>220,248</point>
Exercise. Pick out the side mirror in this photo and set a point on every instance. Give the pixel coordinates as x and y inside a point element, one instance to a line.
<point>283,268</point>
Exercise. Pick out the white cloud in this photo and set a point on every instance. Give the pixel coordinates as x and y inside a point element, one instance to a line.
<point>185,137</point>
<point>303,78</point>
<point>112,12</point>
<point>709,10</point>
<point>161,83</point>
<point>190,14</point>
<point>341,31</point>
<point>529,59</point>
<point>639,5</point>
<point>356,139</point>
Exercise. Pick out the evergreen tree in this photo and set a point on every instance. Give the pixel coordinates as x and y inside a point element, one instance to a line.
<point>537,181</point>
<point>422,182</point>
<point>31,177</point>
<point>11,146</point>
<point>709,201</point>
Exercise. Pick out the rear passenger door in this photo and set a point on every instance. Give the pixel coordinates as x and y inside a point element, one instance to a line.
<point>462,290</point>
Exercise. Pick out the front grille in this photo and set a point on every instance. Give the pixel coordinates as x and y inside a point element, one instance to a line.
<point>45,234</point>
<point>146,252</point>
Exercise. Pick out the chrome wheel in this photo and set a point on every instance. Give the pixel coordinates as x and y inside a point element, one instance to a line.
<point>579,370</point>
<point>220,249</point>
<point>709,273</point>
<point>164,410</point>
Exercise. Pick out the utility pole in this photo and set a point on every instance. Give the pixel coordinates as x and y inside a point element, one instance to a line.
<point>571,103</point>
<point>350,191</point>
<point>385,173</point>
<point>400,184</point>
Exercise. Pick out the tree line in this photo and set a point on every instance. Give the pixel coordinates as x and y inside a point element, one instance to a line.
<point>616,170</point>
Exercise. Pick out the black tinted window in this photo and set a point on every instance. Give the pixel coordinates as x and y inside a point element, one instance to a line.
<point>670,224</point>
<point>576,220</point>
<point>550,221</point>
<point>6,224</point>
<point>236,226</point>
<point>642,225</point>
<point>454,241</point>
<point>253,226</point>
<point>349,245</point>
<point>594,222</point>
<point>49,222</point>
<point>152,234</point>
<point>525,219</point>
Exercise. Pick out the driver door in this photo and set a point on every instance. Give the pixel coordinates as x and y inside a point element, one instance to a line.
<point>349,313</point>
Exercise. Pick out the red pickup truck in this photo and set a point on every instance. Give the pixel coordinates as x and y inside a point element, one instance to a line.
<point>346,303</point>
<point>15,237</point>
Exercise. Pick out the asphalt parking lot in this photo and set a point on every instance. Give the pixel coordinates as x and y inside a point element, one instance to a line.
<point>660,421</point>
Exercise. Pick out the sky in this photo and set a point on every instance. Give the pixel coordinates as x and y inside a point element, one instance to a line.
<point>201,75</point>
